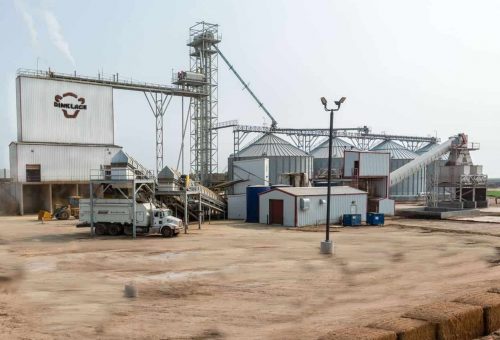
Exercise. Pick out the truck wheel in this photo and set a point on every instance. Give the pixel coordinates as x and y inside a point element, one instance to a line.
<point>100,229</point>
<point>166,232</point>
<point>114,230</point>
<point>127,230</point>
<point>63,215</point>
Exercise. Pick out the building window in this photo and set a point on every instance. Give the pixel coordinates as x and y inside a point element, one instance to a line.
<point>33,173</point>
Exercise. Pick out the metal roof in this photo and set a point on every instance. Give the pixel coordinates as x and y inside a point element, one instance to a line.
<point>318,191</point>
<point>396,150</point>
<point>426,148</point>
<point>120,157</point>
<point>169,173</point>
<point>270,145</point>
<point>338,147</point>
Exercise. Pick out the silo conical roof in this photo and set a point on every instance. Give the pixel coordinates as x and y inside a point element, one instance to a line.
<point>426,148</point>
<point>271,146</point>
<point>338,148</point>
<point>396,150</point>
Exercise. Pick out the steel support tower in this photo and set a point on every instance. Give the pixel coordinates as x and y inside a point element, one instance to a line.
<point>203,59</point>
<point>158,102</point>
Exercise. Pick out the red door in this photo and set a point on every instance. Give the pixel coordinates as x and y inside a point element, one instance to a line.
<point>276,212</point>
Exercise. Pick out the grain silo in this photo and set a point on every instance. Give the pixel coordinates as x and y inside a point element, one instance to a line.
<point>414,186</point>
<point>283,157</point>
<point>320,154</point>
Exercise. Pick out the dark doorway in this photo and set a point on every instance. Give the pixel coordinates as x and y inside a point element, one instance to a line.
<point>276,212</point>
<point>35,198</point>
<point>33,173</point>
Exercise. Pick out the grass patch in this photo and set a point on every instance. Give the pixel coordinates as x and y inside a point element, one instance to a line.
<point>493,193</point>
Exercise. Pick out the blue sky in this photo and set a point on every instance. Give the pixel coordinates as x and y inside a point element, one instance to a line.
<point>406,67</point>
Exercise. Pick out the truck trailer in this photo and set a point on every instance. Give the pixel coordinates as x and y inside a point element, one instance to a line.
<point>115,217</point>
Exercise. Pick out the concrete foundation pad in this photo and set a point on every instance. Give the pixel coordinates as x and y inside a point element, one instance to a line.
<point>437,213</point>
<point>326,247</point>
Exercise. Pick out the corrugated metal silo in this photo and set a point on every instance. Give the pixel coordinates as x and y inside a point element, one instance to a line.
<point>412,187</point>
<point>283,157</point>
<point>320,154</point>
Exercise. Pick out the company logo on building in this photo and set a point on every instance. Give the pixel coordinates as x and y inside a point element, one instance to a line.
<point>65,106</point>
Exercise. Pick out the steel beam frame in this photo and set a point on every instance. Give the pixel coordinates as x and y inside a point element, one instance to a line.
<point>307,139</point>
<point>158,103</point>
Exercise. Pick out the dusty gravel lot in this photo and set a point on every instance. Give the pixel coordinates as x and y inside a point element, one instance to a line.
<point>229,280</point>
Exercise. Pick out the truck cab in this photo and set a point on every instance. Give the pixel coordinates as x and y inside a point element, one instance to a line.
<point>166,224</point>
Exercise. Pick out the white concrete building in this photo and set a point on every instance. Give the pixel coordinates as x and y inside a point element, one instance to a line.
<point>302,206</point>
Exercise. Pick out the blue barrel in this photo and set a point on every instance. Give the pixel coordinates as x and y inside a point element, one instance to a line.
<point>375,219</point>
<point>351,220</point>
<point>253,192</point>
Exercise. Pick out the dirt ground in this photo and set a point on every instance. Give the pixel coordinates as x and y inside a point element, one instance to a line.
<point>230,280</point>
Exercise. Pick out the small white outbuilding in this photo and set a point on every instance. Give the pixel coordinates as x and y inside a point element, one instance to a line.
<point>302,206</point>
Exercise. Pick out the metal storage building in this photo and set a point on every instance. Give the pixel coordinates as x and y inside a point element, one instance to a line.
<point>47,174</point>
<point>64,130</point>
<point>320,154</point>
<point>412,187</point>
<point>55,111</point>
<point>283,157</point>
<point>302,206</point>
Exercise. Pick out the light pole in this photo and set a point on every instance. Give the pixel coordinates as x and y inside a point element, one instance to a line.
<point>327,245</point>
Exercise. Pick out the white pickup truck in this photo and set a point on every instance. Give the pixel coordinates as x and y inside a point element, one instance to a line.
<point>114,217</point>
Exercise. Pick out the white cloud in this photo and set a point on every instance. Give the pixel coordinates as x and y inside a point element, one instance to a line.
<point>56,36</point>
<point>28,20</point>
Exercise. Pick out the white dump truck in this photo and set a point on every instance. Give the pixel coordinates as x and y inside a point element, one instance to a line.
<point>114,217</point>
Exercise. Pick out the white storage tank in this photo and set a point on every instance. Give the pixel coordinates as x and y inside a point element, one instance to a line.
<point>283,157</point>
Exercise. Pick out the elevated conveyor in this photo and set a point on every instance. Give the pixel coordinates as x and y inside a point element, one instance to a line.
<point>427,158</point>
<point>196,200</point>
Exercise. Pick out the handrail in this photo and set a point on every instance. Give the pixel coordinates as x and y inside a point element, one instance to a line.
<point>124,83</point>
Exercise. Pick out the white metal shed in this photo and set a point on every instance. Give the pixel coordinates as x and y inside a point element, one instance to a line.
<point>302,206</point>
